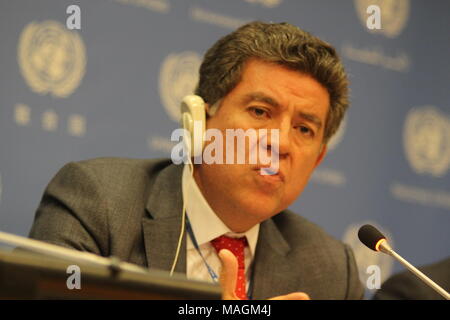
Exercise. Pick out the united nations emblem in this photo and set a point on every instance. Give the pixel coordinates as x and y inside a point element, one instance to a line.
<point>426,138</point>
<point>178,77</point>
<point>366,257</point>
<point>394,15</point>
<point>52,59</point>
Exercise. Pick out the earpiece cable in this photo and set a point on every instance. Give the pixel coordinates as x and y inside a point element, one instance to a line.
<point>183,222</point>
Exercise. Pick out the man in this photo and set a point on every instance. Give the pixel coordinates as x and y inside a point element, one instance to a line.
<point>262,76</point>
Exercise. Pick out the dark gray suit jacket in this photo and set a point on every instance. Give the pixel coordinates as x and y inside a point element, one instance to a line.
<point>131,209</point>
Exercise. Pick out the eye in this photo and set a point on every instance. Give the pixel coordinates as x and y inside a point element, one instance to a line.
<point>258,112</point>
<point>304,130</point>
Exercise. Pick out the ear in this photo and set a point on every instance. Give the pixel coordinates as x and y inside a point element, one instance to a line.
<point>321,156</point>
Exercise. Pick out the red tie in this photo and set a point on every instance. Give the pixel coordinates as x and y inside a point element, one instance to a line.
<point>236,246</point>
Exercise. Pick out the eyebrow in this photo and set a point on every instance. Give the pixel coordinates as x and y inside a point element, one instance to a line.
<point>261,97</point>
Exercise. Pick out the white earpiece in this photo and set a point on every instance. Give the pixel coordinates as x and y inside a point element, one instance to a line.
<point>193,120</point>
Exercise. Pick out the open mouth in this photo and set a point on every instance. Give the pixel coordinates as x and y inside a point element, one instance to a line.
<point>270,173</point>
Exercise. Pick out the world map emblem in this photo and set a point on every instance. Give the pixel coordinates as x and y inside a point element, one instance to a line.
<point>178,77</point>
<point>426,138</point>
<point>52,59</point>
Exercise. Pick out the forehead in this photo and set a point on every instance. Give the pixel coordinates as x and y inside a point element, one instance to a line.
<point>289,88</point>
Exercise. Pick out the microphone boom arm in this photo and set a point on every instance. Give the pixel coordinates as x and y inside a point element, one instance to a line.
<point>386,248</point>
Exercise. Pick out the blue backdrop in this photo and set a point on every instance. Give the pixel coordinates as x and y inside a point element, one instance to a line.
<point>113,88</point>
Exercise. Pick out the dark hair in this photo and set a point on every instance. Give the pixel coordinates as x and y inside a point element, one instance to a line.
<point>280,43</point>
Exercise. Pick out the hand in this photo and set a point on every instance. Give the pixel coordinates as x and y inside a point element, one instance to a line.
<point>228,278</point>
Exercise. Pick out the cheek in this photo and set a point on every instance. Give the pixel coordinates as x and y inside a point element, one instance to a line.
<point>295,188</point>
<point>300,173</point>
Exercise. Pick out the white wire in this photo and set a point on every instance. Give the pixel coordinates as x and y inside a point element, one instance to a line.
<point>183,221</point>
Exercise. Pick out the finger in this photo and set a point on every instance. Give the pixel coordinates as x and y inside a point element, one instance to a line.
<point>293,296</point>
<point>228,274</point>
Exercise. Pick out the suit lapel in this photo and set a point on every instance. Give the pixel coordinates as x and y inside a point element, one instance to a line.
<point>272,270</point>
<point>271,266</point>
<point>162,226</point>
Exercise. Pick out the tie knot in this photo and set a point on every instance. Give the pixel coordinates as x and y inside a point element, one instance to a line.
<point>235,245</point>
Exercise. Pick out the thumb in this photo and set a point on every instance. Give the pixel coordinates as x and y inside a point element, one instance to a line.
<point>228,274</point>
<point>293,296</point>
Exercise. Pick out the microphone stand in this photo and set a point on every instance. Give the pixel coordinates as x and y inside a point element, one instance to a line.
<point>386,248</point>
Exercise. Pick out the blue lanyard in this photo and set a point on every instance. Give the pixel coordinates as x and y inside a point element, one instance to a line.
<point>213,275</point>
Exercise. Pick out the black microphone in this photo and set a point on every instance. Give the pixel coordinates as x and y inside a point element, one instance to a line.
<point>375,240</point>
<point>371,237</point>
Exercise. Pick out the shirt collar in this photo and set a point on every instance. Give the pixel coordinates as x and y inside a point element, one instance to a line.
<point>206,225</point>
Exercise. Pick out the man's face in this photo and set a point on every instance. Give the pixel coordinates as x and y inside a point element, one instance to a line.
<point>268,96</point>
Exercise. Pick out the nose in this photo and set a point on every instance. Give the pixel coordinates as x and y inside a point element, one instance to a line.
<point>278,138</point>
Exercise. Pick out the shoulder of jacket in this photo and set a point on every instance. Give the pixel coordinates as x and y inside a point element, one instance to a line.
<point>297,228</point>
<point>119,169</point>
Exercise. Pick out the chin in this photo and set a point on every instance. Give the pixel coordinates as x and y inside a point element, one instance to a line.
<point>260,207</point>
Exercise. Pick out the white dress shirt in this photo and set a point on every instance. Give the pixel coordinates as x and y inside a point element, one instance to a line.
<point>206,226</point>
